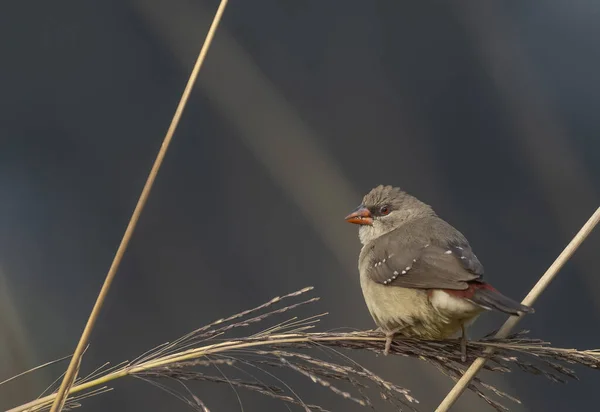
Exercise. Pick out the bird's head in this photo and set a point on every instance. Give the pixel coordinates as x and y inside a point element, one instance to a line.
<point>384,209</point>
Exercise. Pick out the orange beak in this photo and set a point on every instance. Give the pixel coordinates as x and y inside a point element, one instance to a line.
<point>361,216</point>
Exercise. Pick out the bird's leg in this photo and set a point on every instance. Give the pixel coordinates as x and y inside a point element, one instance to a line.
<point>463,343</point>
<point>389,337</point>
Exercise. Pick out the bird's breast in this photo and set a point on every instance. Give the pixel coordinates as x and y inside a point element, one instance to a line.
<point>399,309</point>
<point>415,312</point>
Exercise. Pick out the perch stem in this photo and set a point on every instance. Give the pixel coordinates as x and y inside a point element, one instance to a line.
<point>184,356</point>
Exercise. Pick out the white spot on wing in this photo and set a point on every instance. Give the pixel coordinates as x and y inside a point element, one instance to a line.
<point>448,252</point>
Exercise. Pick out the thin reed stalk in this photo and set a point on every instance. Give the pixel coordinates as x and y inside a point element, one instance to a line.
<point>511,322</point>
<point>72,370</point>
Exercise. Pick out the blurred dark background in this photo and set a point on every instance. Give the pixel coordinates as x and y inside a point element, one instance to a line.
<point>486,110</point>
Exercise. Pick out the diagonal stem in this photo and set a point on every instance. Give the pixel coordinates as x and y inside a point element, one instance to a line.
<point>71,373</point>
<point>537,290</point>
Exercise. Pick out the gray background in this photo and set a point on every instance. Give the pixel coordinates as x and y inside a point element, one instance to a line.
<point>486,110</point>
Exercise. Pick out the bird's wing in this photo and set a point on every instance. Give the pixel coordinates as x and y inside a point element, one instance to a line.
<point>408,262</point>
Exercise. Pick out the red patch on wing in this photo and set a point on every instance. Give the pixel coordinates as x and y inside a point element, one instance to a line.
<point>467,293</point>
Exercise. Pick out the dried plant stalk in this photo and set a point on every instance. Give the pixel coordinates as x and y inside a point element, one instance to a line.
<point>509,325</point>
<point>284,346</point>
<point>73,368</point>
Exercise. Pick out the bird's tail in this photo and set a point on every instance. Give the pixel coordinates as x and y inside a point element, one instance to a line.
<point>490,298</point>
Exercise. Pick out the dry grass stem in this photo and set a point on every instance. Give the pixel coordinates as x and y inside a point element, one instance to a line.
<point>34,369</point>
<point>71,373</point>
<point>251,363</point>
<point>509,325</point>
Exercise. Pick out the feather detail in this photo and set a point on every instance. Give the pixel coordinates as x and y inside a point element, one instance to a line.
<point>486,296</point>
<point>470,290</point>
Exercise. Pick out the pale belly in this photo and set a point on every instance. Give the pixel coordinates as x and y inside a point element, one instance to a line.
<point>413,313</point>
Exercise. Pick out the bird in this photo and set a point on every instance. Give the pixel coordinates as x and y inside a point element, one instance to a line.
<point>419,275</point>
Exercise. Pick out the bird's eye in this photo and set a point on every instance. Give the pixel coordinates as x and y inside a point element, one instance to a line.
<point>384,210</point>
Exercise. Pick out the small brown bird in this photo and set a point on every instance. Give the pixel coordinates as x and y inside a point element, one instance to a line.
<point>418,274</point>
